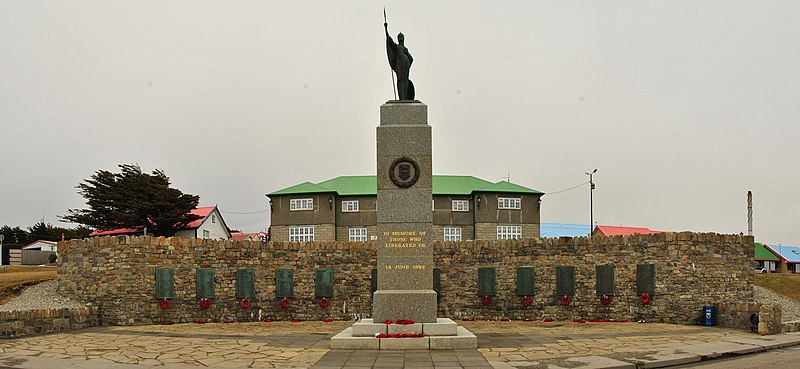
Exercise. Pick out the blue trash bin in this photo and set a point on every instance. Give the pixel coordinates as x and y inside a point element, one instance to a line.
<point>709,315</point>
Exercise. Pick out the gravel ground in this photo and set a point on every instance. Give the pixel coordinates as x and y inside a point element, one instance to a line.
<point>790,309</point>
<point>44,296</point>
<point>40,296</point>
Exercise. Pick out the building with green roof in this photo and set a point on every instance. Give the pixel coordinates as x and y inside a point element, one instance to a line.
<point>345,209</point>
<point>766,258</point>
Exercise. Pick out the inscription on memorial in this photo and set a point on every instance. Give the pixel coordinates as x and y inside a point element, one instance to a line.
<point>404,239</point>
<point>405,267</point>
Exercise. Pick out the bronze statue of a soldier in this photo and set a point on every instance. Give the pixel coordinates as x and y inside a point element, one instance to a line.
<point>400,60</point>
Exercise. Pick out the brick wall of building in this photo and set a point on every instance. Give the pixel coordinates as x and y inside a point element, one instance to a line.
<point>488,231</point>
<point>343,233</point>
<point>466,232</point>
<point>322,233</point>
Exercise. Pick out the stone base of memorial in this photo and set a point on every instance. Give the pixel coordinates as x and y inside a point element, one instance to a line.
<point>445,334</point>
<point>416,305</point>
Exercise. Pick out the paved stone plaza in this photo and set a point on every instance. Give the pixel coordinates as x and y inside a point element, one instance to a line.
<point>305,344</point>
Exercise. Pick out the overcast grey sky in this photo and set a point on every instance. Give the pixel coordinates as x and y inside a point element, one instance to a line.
<point>683,106</point>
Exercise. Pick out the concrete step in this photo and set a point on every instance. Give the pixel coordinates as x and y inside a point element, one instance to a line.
<point>436,336</point>
<point>442,327</point>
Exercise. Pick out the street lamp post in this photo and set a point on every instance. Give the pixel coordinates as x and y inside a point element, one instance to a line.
<point>591,202</point>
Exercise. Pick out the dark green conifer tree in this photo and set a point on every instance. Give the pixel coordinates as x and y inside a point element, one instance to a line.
<point>133,199</point>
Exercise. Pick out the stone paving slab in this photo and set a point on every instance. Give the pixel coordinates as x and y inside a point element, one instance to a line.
<point>598,362</point>
<point>463,339</point>
<point>658,359</point>
<point>713,350</point>
<point>770,342</point>
<point>583,362</point>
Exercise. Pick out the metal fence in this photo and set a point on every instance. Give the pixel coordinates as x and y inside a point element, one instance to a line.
<point>14,257</point>
<point>35,257</point>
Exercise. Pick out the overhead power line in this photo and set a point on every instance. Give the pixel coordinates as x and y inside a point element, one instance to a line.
<point>259,220</point>
<point>568,189</point>
<point>245,213</point>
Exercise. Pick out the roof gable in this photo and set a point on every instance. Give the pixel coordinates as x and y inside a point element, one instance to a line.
<point>39,244</point>
<point>203,212</point>
<point>508,187</point>
<point>762,253</point>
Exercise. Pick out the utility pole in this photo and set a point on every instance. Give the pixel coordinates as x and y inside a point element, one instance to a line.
<point>591,200</point>
<point>749,213</point>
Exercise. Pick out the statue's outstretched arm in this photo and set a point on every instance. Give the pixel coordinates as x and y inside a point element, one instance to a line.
<point>389,40</point>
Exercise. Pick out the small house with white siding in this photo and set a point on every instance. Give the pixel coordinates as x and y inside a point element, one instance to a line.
<point>42,245</point>
<point>209,226</point>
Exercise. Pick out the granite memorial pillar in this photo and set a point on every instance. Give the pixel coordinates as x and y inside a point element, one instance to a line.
<point>405,242</point>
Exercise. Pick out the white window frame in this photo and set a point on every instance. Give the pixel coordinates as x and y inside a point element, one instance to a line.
<point>460,205</point>
<point>301,204</point>
<point>357,234</point>
<point>206,234</point>
<point>350,206</point>
<point>509,232</point>
<point>452,233</point>
<point>301,233</point>
<point>513,203</point>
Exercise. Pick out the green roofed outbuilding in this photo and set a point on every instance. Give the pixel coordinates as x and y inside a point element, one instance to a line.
<point>344,209</point>
<point>766,258</point>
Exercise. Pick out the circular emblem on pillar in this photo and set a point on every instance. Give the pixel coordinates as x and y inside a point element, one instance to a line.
<point>404,172</point>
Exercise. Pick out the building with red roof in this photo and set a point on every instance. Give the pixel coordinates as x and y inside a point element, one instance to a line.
<point>42,245</point>
<point>210,226</point>
<point>622,231</point>
<point>257,236</point>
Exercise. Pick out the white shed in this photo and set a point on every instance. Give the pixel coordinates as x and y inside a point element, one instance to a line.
<point>42,246</point>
